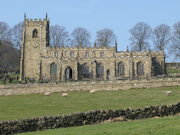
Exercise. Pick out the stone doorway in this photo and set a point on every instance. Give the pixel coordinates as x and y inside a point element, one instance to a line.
<point>68,73</point>
<point>108,75</point>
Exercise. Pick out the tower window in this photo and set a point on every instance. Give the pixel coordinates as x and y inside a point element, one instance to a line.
<point>35,33</point>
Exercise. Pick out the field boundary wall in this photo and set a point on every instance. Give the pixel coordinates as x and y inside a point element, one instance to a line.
<point>86,118</point>
<point>35,88</point>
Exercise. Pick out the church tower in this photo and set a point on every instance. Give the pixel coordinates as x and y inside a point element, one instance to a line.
<point>35,39</point>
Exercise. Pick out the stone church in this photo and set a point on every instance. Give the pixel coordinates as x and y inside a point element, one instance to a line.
<point>40,61</point>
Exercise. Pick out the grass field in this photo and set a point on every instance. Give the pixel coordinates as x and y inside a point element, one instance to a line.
<point>34,105</point>
<point>153,126</point>
<point>174,71</point>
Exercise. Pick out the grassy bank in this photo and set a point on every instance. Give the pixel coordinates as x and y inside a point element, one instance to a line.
<point>173,71</point>
<point>153,126</point>
<point>34,105</point>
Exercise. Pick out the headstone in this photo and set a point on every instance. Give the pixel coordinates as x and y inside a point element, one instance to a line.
<point>17,79</point>
<point>25,80</point>
<point>10,80</point>
<point>4,81</point>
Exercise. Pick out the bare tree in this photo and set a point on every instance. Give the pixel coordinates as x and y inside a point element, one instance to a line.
<point>58,34</point>
<point>4,32</point>
<point>175,46</point>
<point>9,56</point>
<point>161,36</point>
<point>140,35</point>
<point>105,37</point>
<point>16,34</point>
<point>80,35</point>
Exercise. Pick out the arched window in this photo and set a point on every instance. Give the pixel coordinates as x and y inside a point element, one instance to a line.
<point>100,71</point>
<point>53,68</point>
<point>85,71</point>
<point>140,68</point>
<point>53,71</point>
<point>157,66</point>
<point>121,69</point>
<point>35,33</point>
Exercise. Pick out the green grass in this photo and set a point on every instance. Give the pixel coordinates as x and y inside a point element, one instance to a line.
<point>7,82</point>
<point>13,75</point>
<point>34,105</point>
<point>153,126</point>
<point>173,71</point>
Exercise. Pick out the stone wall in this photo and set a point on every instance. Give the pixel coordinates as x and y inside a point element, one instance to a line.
<point>79,119</point>
<point>173,74</point>
<point>85,86</point>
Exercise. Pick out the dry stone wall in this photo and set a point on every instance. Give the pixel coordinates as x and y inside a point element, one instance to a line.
<point>79,119</point>
<point>85,86</point>
<point>174,75</point>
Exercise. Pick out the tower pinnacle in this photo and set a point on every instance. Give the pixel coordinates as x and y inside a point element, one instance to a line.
<point>24,16</point>
<point>46,15</point>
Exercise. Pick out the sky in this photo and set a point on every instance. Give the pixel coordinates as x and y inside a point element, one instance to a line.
<point>94,15</point>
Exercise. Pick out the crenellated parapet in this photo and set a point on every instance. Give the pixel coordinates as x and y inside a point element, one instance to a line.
<point>82,48</point>
<point>99,52</point>
<point>81,52</point>
<point>139,53</point>
<point>36,22</point>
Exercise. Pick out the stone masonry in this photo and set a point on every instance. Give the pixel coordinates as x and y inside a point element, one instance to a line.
<point>40,61</point>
